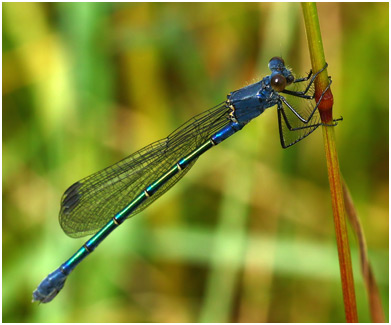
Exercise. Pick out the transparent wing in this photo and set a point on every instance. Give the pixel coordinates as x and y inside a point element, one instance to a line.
<point>291,128</point>
<point>90,203</point>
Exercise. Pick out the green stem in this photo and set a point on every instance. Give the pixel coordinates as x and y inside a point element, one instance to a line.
<point>325,109</point>
<point>318,60</point>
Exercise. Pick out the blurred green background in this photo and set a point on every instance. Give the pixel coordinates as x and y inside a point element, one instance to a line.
<point>248,234</point>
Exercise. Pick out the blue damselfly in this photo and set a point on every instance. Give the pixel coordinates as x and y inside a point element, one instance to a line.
<point>101,202</point>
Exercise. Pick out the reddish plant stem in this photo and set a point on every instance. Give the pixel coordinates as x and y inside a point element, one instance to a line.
<point>345,263</point>
<point>325,110</point>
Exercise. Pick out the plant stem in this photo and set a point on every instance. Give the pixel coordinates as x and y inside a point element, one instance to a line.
<point>325,109</point>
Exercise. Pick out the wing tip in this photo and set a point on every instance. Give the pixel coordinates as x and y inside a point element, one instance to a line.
<point>71,198</point>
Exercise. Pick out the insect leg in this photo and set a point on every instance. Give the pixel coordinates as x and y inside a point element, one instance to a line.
<point>314,109</point>
<point>302,94</point>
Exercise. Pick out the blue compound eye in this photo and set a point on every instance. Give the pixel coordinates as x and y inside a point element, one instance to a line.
<point>278,82</point>
<point>276,64</point>
<point>277,58</point>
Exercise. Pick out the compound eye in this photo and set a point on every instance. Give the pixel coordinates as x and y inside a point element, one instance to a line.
<point>277,58</point>
<point>278,82</point>
<point>289,79</point>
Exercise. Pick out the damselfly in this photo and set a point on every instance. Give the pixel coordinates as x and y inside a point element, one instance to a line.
<point>101,202</point>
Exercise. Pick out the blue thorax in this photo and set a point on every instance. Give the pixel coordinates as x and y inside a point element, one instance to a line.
<point>251,101</point>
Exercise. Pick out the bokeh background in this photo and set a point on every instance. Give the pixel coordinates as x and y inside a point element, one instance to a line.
<point>248,234</point>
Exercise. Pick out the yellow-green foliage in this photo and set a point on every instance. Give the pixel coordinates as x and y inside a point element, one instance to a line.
<point>247,235</point>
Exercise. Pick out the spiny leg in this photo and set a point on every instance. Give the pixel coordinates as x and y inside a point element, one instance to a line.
<point>304,78</point>
<point>282,118</point>
<point>302,94</point>
<point>285,142</point>
<point>314,109</point>
<point>280,110</point>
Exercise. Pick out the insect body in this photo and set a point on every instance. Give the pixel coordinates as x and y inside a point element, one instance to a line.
<point>101,202</point>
